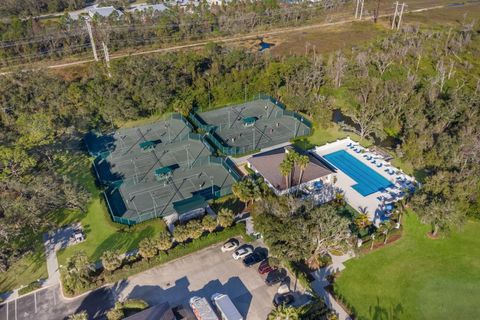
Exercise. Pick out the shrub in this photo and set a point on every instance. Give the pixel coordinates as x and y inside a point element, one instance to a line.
<point>29,288</point>
<point>209,223</point>
<point>195,229</point>
<point>147,248</point>
<point>164,241</point>
<point>115,314</point>
<point>137,304</point>
<point>111,260</point>
<point>181,233</point>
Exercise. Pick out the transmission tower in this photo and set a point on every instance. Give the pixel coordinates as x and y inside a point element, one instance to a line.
<point>90,33</point>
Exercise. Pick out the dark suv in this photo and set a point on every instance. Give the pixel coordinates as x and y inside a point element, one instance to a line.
<point>253,259</point>
<point>276,276</point>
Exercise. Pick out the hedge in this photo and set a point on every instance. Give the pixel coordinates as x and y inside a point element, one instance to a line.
<point>29,288</point>
<point>176,252</point>
<point>134,304</point>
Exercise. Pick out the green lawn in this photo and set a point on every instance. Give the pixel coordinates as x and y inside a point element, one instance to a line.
<point>323,135</point>
<point>101,233</point>
<point>416,277</point>
<point>26,270</point>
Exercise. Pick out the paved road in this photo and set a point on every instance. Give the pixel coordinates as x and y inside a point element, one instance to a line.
<point>47,304</point>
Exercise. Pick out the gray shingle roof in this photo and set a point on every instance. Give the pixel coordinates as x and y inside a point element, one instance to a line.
<point>268,165</point>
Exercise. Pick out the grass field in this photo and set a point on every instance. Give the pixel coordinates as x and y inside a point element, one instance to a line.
<point>101,233</point>
<point>416,277</point>
<point>26,270</point>
<point>322,135</point>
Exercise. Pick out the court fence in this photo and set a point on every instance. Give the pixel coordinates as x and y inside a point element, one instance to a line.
<point>212,136</point>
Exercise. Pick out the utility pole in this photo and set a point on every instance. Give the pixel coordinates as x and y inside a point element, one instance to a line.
<point>395,15</point>
<point>400,18</point>
<point>376,12</point>
<point>398,13</point>
<point>359,9</point>
<point>107,58</point>
<point>90,33</point>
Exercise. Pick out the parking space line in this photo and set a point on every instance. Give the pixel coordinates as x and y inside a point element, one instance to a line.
<point>7,309</point>
<point>55,298</point>
<point>35,301</point>
<point>15,309</point>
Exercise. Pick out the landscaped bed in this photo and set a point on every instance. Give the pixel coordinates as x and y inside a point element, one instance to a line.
<point>416,277</point>
<point>176,252</point>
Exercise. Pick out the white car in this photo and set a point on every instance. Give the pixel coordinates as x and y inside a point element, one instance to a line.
<point>230,245</point>
<point>242,253</point>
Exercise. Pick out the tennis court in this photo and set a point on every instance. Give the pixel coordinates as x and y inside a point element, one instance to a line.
<point>251,126</point>
<point>368,181</point>
<point>151,170</point>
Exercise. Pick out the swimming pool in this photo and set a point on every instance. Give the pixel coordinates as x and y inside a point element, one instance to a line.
<point>368,181</point>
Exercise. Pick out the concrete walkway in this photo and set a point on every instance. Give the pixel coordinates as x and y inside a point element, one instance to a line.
<point>53,241</point>
<point>321,282</point>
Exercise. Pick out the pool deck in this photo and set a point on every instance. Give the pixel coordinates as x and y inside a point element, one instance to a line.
<point>372,204</point>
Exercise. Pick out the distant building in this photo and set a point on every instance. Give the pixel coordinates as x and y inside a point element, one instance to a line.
<point>104,12</point>
<point>154,8</point>
<point>267,164</point>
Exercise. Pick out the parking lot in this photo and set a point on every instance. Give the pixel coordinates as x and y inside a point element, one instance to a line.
<point>200,274</point>
<point>203,274</point>
<point>47,304</point>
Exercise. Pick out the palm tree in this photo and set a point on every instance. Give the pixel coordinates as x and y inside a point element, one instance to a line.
<point>164,241</point>
<point>241,191</point>
<point>385,228</point>
<point>79,316</point>
<point>286,168</point>
<point>225,217</point>
<point>181,233</point>
<point>111,260</point>
<point>373,241</point>
<point>303,161</point>
<point>195,229</point>
<point>283,312</point>
<point>147,248</point>
<point>209,223</point>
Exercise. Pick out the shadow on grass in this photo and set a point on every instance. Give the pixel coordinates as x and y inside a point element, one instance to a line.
<point>231,203</point>
<point>379,311</point>
<point>123,240</point>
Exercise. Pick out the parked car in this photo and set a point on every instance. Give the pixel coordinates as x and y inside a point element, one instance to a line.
<point>241,253</point>
<point>283,289</point>
<point>264,267</point>
<point>276,276</point>
<point>285,299</point>
<point>230,245</point>
<point>253,259</point>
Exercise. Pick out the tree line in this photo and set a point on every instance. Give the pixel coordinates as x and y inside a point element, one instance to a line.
<point>29,40</point>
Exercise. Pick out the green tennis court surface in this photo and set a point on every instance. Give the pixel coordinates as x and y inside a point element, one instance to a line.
<point>251,126</point>
<point>157,170</point>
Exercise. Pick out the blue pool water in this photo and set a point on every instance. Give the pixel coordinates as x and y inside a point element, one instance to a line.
<point>368,181</point>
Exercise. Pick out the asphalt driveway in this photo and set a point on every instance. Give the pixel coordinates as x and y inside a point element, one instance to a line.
<point>202,274</point>
<point>47,304</point>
